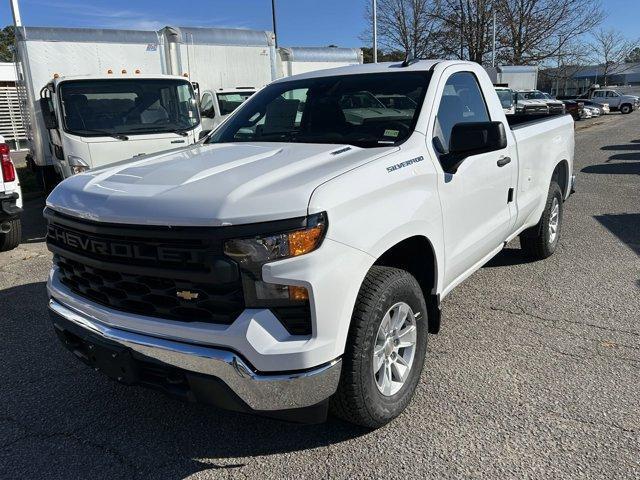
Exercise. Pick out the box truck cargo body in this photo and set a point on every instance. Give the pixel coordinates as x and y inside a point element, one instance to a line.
<point>297,60</point>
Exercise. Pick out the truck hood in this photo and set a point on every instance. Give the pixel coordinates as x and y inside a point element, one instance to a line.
<point>209,185</point>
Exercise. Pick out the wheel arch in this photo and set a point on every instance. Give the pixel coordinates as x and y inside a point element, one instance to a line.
<point>416,255</point>
<point>561,175</point>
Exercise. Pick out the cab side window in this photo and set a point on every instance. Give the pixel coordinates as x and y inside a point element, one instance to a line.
<point>462,102</point>
<point>612,94</point>
<point>206,105</point>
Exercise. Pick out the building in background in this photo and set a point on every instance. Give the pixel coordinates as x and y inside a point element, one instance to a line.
<point>575,80</point>
<point>11,125</point>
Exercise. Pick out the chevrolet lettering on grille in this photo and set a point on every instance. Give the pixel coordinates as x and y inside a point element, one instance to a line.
<point>75,241</point>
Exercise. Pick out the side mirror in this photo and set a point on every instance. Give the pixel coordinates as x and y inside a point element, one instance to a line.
<point>48,115</point>
<point>469,139</point>
<point>203,133</point>
<point>209,112</point>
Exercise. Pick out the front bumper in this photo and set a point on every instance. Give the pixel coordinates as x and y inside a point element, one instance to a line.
<point>191,369</point>
<point>9,206</point>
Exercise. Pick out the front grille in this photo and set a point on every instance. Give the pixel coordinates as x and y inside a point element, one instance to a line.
<point>171,273</point>
<point>153,296</point>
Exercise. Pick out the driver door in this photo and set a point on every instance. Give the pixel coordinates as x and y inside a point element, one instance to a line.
<point>475,202</point>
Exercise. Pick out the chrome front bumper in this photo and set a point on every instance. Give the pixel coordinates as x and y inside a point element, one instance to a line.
<point>260,392</point>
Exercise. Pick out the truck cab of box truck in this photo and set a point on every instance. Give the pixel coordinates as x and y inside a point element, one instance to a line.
<point>93,121</point>
<point>216,105</point>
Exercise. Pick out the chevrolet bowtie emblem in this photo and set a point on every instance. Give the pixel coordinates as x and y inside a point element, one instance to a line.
<point>187,295</point>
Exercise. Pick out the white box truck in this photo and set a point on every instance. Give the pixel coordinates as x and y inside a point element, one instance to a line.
<point>93,97</point>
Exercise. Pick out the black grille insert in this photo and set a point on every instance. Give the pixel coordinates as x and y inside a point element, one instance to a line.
<point>157,297</point>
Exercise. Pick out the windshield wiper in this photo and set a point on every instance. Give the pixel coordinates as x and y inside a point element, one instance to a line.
<point>145,129</point>
<point>118,136</point>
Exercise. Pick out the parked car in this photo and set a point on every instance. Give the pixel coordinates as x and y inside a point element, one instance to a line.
<point>603,108</point>
<point>595,111</point>
<point>617,101</point>
<point>10,201</point>
<point>507,100</point>
<point>586,113</point>
<point>556,107</point>
<point>526,106</point>
<point>574,108</point>
<point>282,265</point>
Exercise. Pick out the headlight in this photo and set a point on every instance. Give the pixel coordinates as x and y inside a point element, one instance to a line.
<point>77,164</point>
<point>290,303</point>
<point>260,250</point>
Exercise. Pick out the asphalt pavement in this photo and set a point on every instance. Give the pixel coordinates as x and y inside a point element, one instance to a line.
<point>535,374</point>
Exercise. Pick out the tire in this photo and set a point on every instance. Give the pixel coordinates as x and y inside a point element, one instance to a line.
<point>626,109</point>
<point>539,242</point>
<point>10,240</point>
<point>359,398</point>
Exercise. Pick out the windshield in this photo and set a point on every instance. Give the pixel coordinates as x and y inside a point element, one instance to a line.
<point>534,96</point>
<point>342,110</point>
<point>506,98</point>
<point>128,106</point>
<point>230,101</point>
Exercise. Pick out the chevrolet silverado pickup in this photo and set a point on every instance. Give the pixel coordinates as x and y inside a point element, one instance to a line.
<point>293,262</point>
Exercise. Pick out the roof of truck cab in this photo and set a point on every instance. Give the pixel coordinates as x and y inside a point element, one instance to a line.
<point>118,76</point>
<point>388,67</point>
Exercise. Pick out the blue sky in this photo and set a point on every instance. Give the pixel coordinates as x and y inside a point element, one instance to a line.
<point>300,22</point>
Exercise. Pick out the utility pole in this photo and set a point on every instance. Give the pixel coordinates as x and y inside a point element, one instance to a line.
<point>15,9</point>
<point>493,50</point>
<point>273,18</point>
<point>461,31</point>
<point>375,32</point>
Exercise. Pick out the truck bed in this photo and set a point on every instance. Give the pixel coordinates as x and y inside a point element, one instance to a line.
<point>520,120</point>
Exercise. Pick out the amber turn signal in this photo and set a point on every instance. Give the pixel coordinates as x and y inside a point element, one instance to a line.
<point>298,294</point>
<point>304,241</point>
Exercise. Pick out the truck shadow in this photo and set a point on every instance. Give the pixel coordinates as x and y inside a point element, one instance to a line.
<point>614,169</point>
<point>626,146</point>
<point>625,226</point>
<point>508,257</point>
<point>34,226</point>
<point>55,404</point>
<point>625,156</point>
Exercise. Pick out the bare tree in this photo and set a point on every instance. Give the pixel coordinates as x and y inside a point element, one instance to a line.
<point>406,25</point>
<point>536,30</point>
<point>610,50</point>
<point>467,28</point>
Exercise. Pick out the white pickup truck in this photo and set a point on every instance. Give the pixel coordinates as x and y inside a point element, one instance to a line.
<point>10,201</point>
<point>295,260</point>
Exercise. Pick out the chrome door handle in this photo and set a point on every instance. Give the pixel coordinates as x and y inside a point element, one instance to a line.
<point>502,161</point>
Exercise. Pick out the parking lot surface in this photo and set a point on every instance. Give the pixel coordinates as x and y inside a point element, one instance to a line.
<point>535,374</point>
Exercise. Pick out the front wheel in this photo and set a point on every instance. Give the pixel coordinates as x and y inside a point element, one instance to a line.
<point>625,109</point>
<point>540,241</point>
<point>385,349</point>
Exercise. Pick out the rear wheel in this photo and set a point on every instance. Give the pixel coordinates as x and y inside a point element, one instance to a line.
<point>540,241</point>
<point>626,108</point>
<point>10,234</point>
<point>385,349</point>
